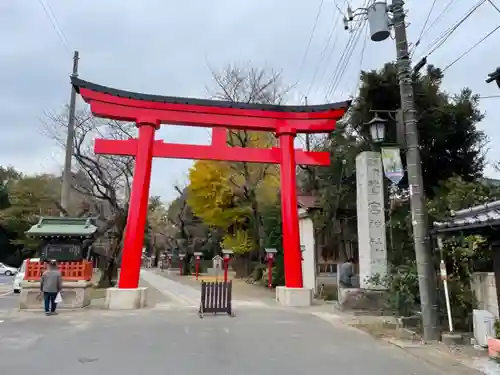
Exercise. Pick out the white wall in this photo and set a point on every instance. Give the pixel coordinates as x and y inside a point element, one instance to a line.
<point>484,287</point>
<point>306,230</point>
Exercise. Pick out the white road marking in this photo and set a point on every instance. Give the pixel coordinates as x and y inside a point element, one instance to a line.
<point>7,293</point>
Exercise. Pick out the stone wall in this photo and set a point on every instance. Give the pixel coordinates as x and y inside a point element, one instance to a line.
<point>484,287</point>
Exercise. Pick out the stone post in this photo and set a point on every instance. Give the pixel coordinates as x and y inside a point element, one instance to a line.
<point>371,218</point>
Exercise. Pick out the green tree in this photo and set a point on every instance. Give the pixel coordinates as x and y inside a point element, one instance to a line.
<point>229,196</point>
<point>30,197</point>
<point>450,142</point>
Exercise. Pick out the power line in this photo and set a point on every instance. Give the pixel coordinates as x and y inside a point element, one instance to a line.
<point>358,80</point>
<point>494,5</point>
<point>345,58</point>
<point>328,58</point>
<point>489,97</point>
<point>323,52</point>
<point>346,55</point>
<point>340,62</point>
<point>438,18</point>
<point>434,46</point>
<point>470,49</point>
<point>53,20</point>
<point>423,27</point>
<point>310,38</point>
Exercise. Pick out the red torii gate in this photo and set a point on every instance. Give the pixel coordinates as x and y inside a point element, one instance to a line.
<point>150,111</point>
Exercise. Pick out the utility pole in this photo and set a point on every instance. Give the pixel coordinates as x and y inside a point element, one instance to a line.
<point>380,22</point>
<point>425,268</point>
<point>66,183</point>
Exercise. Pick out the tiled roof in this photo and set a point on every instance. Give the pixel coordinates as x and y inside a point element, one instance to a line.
<point>474,217</point>
<point>62,226</point>
<point>308,201</point>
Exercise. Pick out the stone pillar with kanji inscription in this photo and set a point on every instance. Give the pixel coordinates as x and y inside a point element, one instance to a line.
<point>371,218</point>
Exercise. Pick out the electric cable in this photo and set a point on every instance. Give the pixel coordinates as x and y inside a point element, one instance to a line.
<point>310,39</point>
<point>494,5</point>
<point>55,24</point>
<point>358,79</point>
<point>328,59</point>
<point>423,27</point>
<point>434,46</point>
<point>323,52</point>
<point>471,48</point>
<point>339,65</point>
<point>345,56</point>
<point>436,20</point>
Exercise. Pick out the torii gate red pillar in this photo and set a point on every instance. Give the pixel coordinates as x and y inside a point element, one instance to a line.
<point>139,198</point>
<point>149,111</point>
<point>289,214</point>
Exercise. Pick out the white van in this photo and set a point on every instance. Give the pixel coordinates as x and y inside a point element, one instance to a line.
<point>18,279</point>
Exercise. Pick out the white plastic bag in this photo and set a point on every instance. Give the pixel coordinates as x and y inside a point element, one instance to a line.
<point>58,299</point>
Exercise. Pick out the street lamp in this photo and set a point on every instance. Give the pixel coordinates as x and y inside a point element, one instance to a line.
<point>197,257</point>
<point>227,257</point>
<point>377,128</point>
<point>495,76</point>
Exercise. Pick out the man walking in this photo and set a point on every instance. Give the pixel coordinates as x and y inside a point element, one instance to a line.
<point>50,286</point>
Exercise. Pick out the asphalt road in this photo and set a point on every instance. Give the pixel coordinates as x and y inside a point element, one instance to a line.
<point>264,342</point>
<point>6,280</point>
<point>8,300</point>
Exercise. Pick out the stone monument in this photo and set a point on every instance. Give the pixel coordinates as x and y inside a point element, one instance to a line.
<point>62,239</point>
<point>371,218</point>
<point>217,266</point>
<point>371,236</point>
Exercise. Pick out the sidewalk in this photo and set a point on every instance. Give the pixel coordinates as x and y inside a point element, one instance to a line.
<point>241,290</point>
<point>185,291</point>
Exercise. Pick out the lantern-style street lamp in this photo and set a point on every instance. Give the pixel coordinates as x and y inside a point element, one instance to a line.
<point>197,259</point>
<point>495,76</point>
<point>376,126</point>
<point>270,256</point>
<point>226,255</point>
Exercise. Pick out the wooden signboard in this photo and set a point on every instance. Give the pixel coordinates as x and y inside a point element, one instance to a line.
<point>62,251</point>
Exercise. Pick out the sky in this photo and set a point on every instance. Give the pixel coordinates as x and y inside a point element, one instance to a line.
<point>168,47</point>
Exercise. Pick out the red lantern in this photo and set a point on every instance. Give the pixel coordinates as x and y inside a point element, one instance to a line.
<point>227,257</point>
<point>197,258</point>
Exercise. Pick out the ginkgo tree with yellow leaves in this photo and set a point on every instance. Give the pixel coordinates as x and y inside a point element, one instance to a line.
<point>231,196</point>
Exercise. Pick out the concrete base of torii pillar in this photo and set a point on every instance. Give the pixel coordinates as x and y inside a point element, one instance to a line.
<point>294,297</point>
<point>126,299</point>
